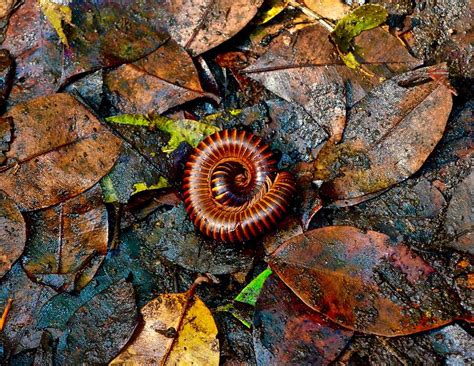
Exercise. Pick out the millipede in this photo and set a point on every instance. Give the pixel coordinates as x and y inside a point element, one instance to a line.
<point>232,189</point>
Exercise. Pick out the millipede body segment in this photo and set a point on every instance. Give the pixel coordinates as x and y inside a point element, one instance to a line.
<point>232,190</point>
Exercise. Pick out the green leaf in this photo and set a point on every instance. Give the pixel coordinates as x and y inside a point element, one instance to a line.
<point>181,130</point>
<point>130,119</point>
<point>142,186</point>
<point>350,60</point>
<point>56,15</point>
<point>363,18</point>
<point>230,308</point>
<point>108,190</point>
<point>250,292</point>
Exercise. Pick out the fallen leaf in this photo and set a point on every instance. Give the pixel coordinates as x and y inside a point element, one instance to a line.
<point>363,18</point>
<point>110,315</point>
<point>67,242</point>
<point>460,216</point>
<point>364,282</point>
<point>49,162</point>
<point>312,75</point>
<point>249,293</point>
<point>386,138</point>
<point>171,235</point>
<point>33,43</point>
<point>186,130</point>
<point>329,9</point>
<point>157,82</point>
<point>200,25</point>
<point>178,329</point>
<point>28,298</point>
<point>57,14</point>
<point>141,186</point>
<point>287,332</point>
<point>12,233</point>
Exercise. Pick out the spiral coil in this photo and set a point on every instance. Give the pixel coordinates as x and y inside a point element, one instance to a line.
<point>232,190</point>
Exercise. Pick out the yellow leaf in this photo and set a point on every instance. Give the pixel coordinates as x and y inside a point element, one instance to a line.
<point>57,14</point>
<point>142,186</point>
<point>177,330</point>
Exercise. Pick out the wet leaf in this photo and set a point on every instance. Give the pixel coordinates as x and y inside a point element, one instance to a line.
<point>362,18</point>
<point>28,298</point>
<point>186,130</point>
<point>310,73</point>
<point>287,332</point>
<point>250,293</point>
<point>49,162</point>
<point>99,329</point>
<point>12,233</point>
<point>459,216</point>
<point>57,14</point>
<point>365,282</point>
<point>171,235</point>
<point>386,138</point>
<point>33,43</point>
<point>199,25</point>
<point>177,329</point>
<point>152,85</point>
<point>67,242</point>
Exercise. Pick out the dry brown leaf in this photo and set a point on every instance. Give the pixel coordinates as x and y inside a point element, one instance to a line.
<point>59,150</point>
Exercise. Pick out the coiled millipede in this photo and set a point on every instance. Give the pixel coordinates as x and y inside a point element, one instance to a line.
<point>232,190</point>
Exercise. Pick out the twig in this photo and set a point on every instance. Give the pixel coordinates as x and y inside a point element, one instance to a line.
<point>3,319</point>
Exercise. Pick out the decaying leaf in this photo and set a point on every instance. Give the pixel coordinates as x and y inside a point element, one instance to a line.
<point>28,299</point>
<point>365,282</point>
<point>33,43</point>
<point>178,329</point>
<point>67,242</point>
<point>310,73</point>
<point>161,80</point>
<point>57,14</point>
<point>171,235</point>
<point>287,332</point>
<point>12,233</point>
<point>60,149</point>
<point>186,130</point>
<point>100,328</point>
<point>389,135</point>
<point>459,216</point>
<point>199,25</point>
